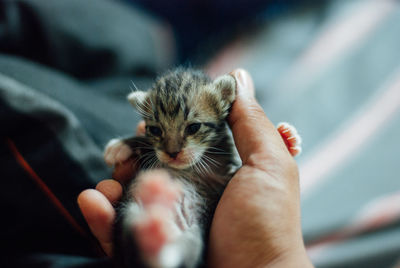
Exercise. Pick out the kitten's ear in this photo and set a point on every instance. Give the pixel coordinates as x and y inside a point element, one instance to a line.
<point>137,98</point>
<point>225,85</point>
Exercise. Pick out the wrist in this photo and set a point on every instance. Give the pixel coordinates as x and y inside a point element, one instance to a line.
<point>281,255</point>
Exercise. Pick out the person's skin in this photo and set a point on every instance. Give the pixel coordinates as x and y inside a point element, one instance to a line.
<point>257,220</point>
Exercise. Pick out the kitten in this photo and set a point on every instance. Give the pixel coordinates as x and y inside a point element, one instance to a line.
<point>164,222</point>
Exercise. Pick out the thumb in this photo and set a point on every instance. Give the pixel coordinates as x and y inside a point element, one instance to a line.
<point>256,138</point>
<point>99,214</point>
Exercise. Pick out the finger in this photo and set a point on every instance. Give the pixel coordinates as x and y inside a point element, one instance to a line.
<point>253,132</point>
<point>111,189</point>
<point>141,128</point>
<point>100,215</point>
<point>126,170</point>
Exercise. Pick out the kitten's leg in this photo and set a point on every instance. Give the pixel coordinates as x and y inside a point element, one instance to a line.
<point>163,237</point>
<point>116,151</point>
<point>290,137</point>
<point>119,150</point>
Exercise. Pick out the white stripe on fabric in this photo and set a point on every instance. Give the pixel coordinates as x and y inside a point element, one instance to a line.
<point>337,39</point>
<point>352,136</point>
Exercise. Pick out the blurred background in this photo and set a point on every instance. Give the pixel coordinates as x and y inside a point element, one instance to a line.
<point>331,68</point>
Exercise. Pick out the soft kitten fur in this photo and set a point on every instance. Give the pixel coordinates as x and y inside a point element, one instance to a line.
<point>186,134</point>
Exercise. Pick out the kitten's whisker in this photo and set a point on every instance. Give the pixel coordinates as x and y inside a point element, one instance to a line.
<point>147,159</point>
<point>146,144</point>
<point>150,162</point>
<point>211,160</point>
<point>135,162</point>
<point>146,154</point>
<point>143,113</point>
<point>206,168</point>
<point>134,85</point>
<point>215,148</point>
<point>153,162</point>
<point>141,147</point>
<point>195,166</point>
<point>220,153</point>
<point>146,104</point>
<point>203,166</point>
<point>152,104</point>
<point>145,163</point>
<point>148,148</point>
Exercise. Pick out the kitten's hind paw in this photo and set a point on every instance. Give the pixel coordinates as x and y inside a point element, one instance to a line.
<point>291,138</point>
<point>151,231</point>
<point>116,151</point>
<point>155,229</point>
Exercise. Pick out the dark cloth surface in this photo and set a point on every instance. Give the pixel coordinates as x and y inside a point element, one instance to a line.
<point>65,68</point>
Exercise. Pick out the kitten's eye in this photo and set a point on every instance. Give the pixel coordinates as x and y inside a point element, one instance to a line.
<point>156,131</point>
<point>192,128</point>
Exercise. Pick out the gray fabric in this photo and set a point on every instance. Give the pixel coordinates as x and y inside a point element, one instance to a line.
<point>65,68</point>
<point>91,105</point>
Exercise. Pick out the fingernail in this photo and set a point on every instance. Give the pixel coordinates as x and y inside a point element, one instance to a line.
<point>245,85</point>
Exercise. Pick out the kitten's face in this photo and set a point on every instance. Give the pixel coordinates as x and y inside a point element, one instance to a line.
<point>184,113</point>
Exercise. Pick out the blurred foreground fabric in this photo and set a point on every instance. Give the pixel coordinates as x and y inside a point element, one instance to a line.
<point>332,69</point>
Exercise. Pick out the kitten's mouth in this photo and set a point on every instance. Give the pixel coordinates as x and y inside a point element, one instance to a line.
<point>182,161</point>
<point>177,163</point>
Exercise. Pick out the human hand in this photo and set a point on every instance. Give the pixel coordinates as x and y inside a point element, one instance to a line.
<point>97,204</point>
<point>257,220</point>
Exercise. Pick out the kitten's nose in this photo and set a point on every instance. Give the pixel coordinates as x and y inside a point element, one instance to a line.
<point>173,155</point>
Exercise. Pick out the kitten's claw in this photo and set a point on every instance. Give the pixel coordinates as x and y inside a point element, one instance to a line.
<point>291,138</point>
<point>116,151</point>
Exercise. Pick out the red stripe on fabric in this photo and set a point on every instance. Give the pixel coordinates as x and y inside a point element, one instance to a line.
<point>45,189</point>
<point>377,214</point>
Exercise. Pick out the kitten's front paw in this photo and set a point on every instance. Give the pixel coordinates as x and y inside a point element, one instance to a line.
<point>291,138</point>
<point>116,151</point>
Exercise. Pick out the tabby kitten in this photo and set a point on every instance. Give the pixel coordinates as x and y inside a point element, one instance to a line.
<point>164,222</point>
<point>187,135</point>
